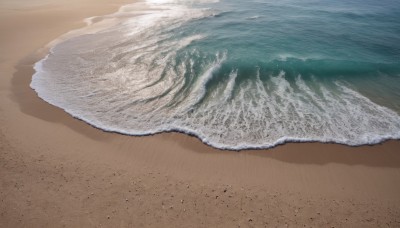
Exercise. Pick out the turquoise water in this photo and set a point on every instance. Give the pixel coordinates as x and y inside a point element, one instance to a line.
<point>237,74</point>
<point>331,40</point>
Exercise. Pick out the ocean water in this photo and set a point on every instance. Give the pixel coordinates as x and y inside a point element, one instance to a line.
<point>237,74</point>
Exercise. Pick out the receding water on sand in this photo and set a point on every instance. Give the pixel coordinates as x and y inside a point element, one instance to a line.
<point>236,74</point>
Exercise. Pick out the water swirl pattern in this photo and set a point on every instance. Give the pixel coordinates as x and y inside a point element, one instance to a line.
<point>236,74</point>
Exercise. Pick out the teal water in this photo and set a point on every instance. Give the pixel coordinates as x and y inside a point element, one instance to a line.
<point>237,74</point>
<point>331,40</point>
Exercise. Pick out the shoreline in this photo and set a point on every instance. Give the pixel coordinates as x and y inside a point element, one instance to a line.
<point>313,152</point>
<point>364,139</point>
<point>27,64</point>
<point>56,170</point>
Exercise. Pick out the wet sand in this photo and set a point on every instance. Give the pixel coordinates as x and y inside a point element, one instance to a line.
<point>58,171</point>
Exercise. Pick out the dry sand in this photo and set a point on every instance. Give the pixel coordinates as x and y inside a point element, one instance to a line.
<point>57,171</point>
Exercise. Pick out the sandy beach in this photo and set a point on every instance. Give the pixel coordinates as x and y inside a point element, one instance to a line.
<point>57,171</point>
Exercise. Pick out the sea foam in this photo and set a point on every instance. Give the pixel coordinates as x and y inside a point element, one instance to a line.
<point>141,73</point>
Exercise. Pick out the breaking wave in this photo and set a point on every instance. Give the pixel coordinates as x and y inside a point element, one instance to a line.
<point>146,73</point>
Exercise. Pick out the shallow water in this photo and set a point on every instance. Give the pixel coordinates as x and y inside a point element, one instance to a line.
<point>237,74</point>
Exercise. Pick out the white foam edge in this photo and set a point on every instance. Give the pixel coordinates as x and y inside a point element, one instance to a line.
<point>38,67</point>
<point>368,139</point>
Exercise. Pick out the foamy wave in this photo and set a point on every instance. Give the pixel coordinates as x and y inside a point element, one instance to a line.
<point>138,76</point>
